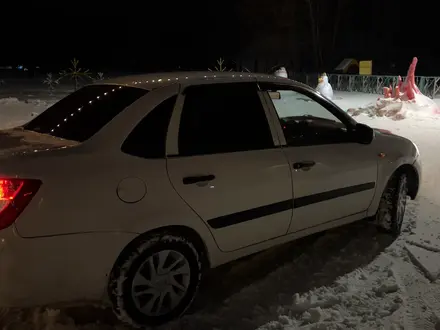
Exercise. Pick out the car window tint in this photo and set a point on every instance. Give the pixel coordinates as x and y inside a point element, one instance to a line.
<point>222,118</point>
<point>86,111</point>
<point>148,138</point>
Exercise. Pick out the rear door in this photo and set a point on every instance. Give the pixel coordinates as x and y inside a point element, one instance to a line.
<point>333,176</point>
<point>227,164</point>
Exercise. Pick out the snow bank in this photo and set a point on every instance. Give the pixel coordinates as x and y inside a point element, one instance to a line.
<point>9,101</point>
<point>363,299</point>
<point>403,101</point>
<point>398,108</point>
<point>14,112</point>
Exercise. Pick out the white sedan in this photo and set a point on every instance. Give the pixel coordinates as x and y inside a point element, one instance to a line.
<point>126,191</point>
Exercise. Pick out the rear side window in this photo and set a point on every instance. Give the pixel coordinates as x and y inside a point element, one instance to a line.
<point>148,139</point>
<point>83,113</point>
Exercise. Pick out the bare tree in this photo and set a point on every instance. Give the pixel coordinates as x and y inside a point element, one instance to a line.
<point>324,18</point>
<point>286,17</point>
<point>314,27</point>
<point>257,16</point>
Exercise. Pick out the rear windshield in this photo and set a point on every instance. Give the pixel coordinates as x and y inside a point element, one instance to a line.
<point>83,113</point>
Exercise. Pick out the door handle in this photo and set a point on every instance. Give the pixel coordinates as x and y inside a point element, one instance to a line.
<point>197,179</point>
<point>305,164</point>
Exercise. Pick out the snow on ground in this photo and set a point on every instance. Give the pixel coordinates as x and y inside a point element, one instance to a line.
<point>14,112</point>
<point>347,278</point>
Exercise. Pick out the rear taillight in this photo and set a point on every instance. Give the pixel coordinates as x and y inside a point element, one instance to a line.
<point>15,195</point>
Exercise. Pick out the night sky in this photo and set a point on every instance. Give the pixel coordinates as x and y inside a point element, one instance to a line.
<point>142,36</point>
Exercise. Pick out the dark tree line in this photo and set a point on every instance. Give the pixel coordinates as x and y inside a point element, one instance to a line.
<point>316,25</point>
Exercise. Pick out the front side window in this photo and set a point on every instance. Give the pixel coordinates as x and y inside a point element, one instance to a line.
<point>222,118</point>
<point>306,121</point>
<point>83,113</point>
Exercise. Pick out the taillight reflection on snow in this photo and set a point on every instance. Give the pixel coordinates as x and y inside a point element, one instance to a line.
<point>15,195</point>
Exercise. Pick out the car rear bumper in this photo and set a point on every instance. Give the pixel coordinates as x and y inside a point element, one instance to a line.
<point>57,269</point>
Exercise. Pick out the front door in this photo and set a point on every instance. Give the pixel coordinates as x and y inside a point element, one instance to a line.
<point>227,167</point>
<point>333,177</point>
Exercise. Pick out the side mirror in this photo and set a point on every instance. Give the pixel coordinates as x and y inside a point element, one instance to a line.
<point>363,134</point>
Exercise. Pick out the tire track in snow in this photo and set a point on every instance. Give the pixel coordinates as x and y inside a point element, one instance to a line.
<point>367,298</point>
<point>277,288</point>
<point>422,296</point>
<point>350,301</point>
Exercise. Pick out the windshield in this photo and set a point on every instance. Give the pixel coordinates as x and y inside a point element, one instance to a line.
<point>83,113</point>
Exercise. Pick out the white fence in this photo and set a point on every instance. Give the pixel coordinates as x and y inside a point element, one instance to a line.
<point>430,86</point>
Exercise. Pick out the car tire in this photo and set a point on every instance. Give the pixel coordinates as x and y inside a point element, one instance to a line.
<point>155,280</point>
<point>392,206</point>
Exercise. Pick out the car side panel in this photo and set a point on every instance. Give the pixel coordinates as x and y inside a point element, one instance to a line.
<point>56,269</point>
<point>76,209</point>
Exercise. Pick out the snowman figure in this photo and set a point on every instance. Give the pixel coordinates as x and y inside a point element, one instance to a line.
<point>281,72</point>
<point>324,87</point>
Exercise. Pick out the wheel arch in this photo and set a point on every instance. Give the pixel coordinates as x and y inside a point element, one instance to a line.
<point>413,184</point>
<point>185,231</point>
<point>413,178</point>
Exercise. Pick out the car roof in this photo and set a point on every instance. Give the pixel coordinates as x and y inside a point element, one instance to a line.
<point>152,81</point>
